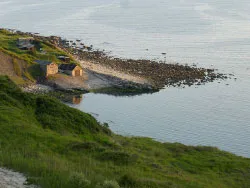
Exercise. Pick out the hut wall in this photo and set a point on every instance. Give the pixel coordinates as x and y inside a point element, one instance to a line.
<point>44,68</point>
<point>77,71</point>
<point>52,69</point>
<point>68,72</point>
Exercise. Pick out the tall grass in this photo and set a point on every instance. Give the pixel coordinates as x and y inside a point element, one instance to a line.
<point>17,68</point>
<point>57,147</point>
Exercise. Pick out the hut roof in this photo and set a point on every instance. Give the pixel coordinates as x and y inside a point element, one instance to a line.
<point>42,62</point>
<point>26,38</point>
<point>27,46</point>
<point>63,57</point>
<point>67,66</point>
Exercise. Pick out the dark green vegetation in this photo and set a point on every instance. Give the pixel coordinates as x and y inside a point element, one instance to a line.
<point>29,71</point>
<point>58,146</point>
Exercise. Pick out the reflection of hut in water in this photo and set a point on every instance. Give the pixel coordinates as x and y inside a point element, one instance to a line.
<point>77,99</point>
<point>72,99</point>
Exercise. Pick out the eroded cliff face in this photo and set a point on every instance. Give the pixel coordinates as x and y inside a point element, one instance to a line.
<point>6,64</point>
<point>13,67</point>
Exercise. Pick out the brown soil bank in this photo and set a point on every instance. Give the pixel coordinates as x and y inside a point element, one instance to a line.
<point>15,68</point>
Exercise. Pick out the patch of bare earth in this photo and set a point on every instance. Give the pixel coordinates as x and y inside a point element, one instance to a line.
<point>12,67</point>
<point>6,63</point>
<point>101,69</point>
<point>11,179</point>
<point>63,81</point>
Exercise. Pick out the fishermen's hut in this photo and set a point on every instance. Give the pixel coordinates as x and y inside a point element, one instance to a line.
<point>71,69</point>
<point>48,67</point>
<point>26,43</point>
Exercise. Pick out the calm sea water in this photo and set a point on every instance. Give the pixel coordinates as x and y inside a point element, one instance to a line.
<point>213,34</point>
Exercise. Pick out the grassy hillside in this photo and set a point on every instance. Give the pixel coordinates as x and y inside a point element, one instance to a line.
<point>58,146</point>
<point>8,42</point>
<point>23,60</point>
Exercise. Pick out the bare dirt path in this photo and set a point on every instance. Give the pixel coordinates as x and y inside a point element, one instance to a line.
<point>11,179</point>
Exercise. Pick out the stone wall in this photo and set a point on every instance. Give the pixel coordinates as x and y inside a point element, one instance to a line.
<point>52,69</point>
<point>75,71</point>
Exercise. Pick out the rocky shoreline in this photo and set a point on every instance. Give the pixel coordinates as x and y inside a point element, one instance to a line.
<point>37,89</point>
<point>157,75</point>
<point>97,83</point>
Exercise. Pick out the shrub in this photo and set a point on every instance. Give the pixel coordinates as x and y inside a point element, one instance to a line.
<point>108,184</point>
<point>66,119</point>
<point>119,158</point>
<point>128,181</point>
<point>78,180</point>
<point>106,130</point>
<point>86,146</point>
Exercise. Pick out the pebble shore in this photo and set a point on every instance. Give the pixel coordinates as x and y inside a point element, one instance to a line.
<point>157,74</point>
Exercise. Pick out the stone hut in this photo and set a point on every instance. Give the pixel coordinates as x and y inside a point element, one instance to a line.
<point>48,67</point>
<point>26,43</point>
<point>71,69</point>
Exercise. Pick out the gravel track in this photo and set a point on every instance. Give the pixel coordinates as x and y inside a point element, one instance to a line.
<point>11,179</point>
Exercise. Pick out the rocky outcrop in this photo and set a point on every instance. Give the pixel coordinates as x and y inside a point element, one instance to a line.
<point>37,88</point>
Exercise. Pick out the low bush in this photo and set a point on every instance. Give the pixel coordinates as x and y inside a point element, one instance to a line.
<point>86,146</point>
<point>128,180</point>
<point>78,180</point>
<point>108,184</point>
<point>118,157</point>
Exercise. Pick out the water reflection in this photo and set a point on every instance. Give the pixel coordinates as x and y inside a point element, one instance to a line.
<point>77,99</point>
<point>71,99</point>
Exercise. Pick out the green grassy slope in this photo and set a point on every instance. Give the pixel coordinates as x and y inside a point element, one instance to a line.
<point>58,146</point>
<point>8,42</point>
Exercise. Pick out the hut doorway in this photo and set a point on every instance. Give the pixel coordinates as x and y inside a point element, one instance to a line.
<point>77,73</point>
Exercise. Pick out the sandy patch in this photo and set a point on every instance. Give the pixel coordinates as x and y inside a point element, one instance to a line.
<point>108,71</point>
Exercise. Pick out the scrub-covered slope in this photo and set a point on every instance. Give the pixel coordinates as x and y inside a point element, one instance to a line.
<point>58,146</point>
